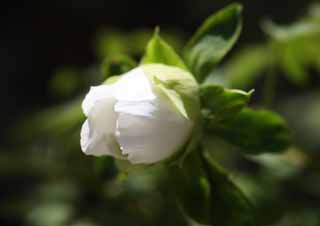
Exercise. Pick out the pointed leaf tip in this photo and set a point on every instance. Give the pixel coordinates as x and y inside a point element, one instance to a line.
<point>160,52</point>
<point>156,31</point>
<point>213,40</point>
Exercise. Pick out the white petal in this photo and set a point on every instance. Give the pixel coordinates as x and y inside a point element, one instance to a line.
<point>154,136</point>
<point>134,86</point>
<point>85,136</point>
<point>90,142</point>
<point>96,93</point>
<point>97,134</point>
<point>142,108</point>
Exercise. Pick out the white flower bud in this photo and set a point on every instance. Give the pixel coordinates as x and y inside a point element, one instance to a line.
<point>134,118</point>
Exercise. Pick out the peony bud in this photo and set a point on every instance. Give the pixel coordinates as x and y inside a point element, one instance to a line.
<point>145,116</point>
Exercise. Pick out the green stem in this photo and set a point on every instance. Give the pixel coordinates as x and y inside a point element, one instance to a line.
<point>270,85</point>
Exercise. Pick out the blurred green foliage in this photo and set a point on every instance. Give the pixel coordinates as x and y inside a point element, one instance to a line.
<point>292,50</point>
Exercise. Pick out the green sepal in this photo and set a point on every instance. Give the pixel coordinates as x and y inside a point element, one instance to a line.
<point>111,80</point>
<point>213,40</point>
<point>221,103</point>
<point>253,131</point>
<point>179,85</point>
<point>158,51</point>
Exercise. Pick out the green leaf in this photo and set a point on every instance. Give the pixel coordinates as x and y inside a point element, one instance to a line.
<point>293,63</point>
<point>213,40</point>
<point>158,51</point>
<point>294,31</point>
<point>192,188</point>
<point>253,131</point>
<point>222,103</point>
<point>229,205</point>
<point>117,65</point>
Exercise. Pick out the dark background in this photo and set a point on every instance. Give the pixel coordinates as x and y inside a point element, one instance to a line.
<point>38,36</point>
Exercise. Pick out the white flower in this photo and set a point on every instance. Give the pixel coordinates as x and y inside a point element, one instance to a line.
<point>133,119</point>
